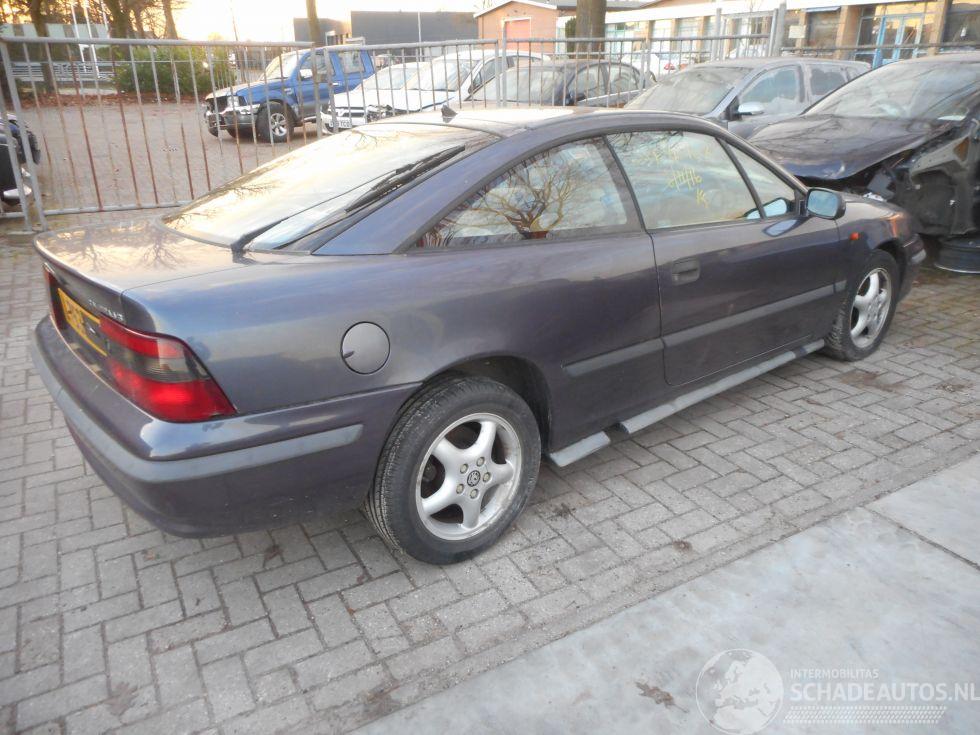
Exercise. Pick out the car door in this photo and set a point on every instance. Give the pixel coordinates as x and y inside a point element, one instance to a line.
<point>557,258</point>
<point>306,83</point>
<point>741,271</point>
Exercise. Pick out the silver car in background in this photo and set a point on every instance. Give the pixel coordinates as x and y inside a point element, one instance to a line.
<point>351,106</point>
<point>747,94</point>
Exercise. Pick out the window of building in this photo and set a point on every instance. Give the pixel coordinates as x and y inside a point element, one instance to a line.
<point>821,29</point>
<point>571,190</point>
<point>962,22</point>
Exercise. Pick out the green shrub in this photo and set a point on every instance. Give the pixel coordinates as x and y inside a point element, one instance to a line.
<point>164,60</point>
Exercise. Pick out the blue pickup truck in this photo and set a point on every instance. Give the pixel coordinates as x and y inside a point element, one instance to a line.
<point>284,95</point>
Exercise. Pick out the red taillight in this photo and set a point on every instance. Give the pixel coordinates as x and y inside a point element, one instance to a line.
<point>57,316</point>
<point>161,375</point>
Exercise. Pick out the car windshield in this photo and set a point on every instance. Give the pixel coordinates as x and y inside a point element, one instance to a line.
<point>281,66</point>
<point>391,77</point>
<point>907,91</point>
<point>443,74</point>
<point>310,187</point>
<point>522,84</point>
<point>696,91</point>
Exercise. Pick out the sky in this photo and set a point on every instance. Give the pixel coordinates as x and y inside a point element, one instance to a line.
<point>261,20</point>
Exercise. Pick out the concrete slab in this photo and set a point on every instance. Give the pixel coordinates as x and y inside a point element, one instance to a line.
<point>944,508</point>
<point>856,593</point>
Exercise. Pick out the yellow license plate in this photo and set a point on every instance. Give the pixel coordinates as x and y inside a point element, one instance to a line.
<point>83,323</point>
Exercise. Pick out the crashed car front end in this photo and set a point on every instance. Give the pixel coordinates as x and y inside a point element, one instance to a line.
<point>938,182</point>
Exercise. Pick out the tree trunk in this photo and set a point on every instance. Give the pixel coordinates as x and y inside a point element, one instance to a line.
<point>40,21</point>
<point>316,35</point>
<point>170,27</point>
<point>118,19</point>
<point>590,20</point>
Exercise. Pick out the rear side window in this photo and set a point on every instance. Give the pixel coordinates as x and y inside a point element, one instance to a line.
<point>587,83</point>
<point>682,178</point>
<point>622,79</point>
<point>824,80</point>
<point>351,62</point>
<point>777,197</point>
<point>568,191</point>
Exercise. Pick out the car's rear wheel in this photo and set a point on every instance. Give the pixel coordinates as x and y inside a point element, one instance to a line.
<point>456,470</point>
<point>275,123</point>
<point>867,312</point>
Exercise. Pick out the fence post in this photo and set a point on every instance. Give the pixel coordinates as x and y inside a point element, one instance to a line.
<point>25,146</point>
<point>332,100</point>
<point>778,29</point>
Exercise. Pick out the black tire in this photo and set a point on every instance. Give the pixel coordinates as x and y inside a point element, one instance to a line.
<point>241,133</point>
<point>214,129</point>
<point>275,123</point>
<point>840,343</point>
<point>393,504</point>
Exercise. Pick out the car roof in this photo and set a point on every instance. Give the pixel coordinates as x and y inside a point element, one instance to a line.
<point>507,121</point>
<point>945,58</point>
<point>755,62</point>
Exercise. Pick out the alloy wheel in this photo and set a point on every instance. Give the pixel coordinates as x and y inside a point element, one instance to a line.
<point>468,476</point>
<point>277,124</point>
<point>870,308</point>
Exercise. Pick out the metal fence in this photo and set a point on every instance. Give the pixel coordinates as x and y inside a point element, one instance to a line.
<point>876,55</point>
<point>123,124</point>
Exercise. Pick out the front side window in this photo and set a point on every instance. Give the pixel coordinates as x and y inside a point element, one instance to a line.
<point>777,90</point>
<point>682,178</point>
<point>777,197</point>
<point>568,191</point>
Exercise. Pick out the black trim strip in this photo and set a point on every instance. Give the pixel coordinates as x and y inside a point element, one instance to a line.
<point>743,317</point>
<point>614,357</point>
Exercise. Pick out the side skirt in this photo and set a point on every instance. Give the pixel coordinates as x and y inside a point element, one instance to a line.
<point>594,442</point>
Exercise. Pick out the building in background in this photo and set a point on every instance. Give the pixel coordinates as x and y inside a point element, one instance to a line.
<point>520,19</point>
<point>334,30</point>
<point>813,23</point>
<point>400,27</point>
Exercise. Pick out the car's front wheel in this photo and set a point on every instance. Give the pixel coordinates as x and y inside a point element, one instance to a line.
<point>275,124</point>
<point>456,470</point>
<point>867,312</point>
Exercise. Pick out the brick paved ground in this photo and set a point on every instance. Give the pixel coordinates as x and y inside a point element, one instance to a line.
<point>106,623</point>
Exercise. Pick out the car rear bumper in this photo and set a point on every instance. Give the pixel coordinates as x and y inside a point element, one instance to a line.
<point>269,479</point>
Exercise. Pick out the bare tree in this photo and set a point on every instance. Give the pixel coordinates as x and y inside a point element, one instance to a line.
<point>316,35</point>
<point>170,27</point>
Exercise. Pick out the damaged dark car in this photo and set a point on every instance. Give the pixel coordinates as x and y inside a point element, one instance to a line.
<point>907,133</point>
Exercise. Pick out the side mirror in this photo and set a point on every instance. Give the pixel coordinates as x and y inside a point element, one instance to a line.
<point>825,203</point>
<point>747,109</point>
<point>305,73</point>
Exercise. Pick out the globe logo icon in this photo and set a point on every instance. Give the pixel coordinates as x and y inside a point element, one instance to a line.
<point>739,691</point>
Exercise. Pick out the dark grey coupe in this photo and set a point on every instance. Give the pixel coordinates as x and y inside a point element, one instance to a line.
<point>406,315</point>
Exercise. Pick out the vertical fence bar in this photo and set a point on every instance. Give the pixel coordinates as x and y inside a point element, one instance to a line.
<point>88,144</point>
<point>146,135</point>
<point>64,127</point>
<point>125,127</point>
